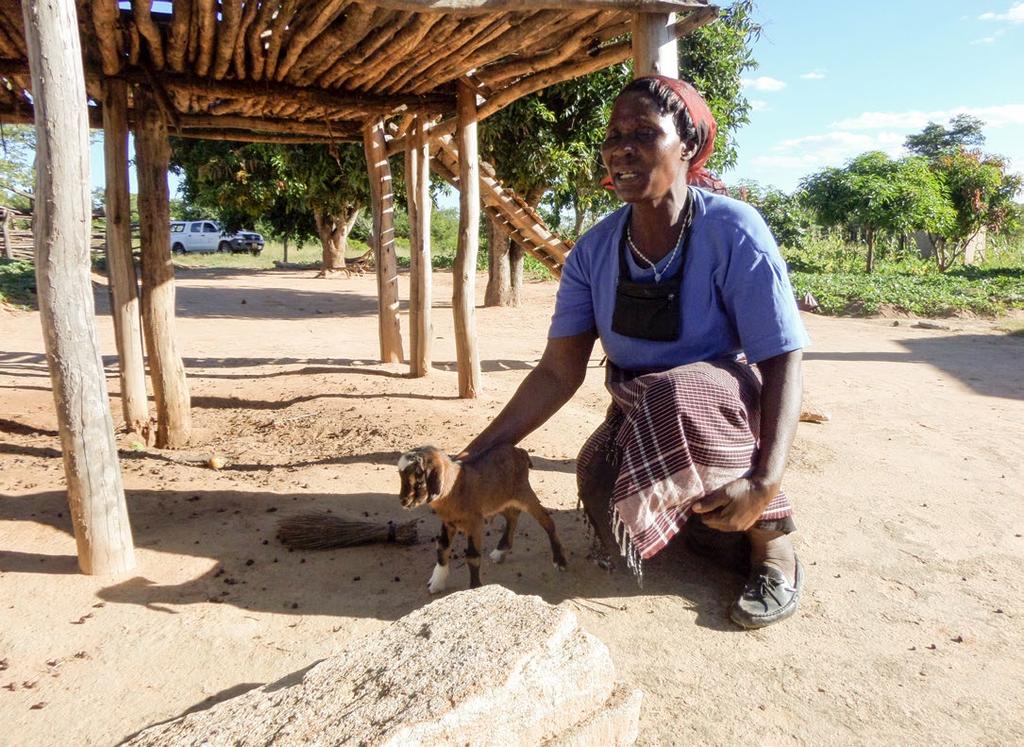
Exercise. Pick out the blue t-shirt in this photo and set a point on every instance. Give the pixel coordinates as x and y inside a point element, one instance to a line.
<point>736,296</point>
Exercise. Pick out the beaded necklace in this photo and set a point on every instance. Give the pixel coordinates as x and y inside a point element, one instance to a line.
<point>675,250</point>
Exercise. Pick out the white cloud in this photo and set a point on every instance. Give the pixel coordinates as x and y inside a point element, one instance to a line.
<point>992,116</point>
<point>1014,15</point>
<point>785,167</point>
<point>813,75</point>
<point>759,105</point>
<point>991,39</point>
<point>805,155</point>
<point>764,83</point>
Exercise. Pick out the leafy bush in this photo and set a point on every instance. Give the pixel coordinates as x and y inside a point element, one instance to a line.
<point>17,283</point>
<point>830,271</point>
<point>790,222</point>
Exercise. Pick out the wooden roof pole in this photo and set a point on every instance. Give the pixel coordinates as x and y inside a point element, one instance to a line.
<point>167,371</point>
<point>61,234</point>
<point>417,180</point>
<point>656,27</point>
<point>505,6</point>
<point>382,205</point>
<point>464,297</point>
<point>124,286</point>
<point>655,51</point>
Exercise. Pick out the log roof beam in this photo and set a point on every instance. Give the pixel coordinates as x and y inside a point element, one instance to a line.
<point>507,6</point>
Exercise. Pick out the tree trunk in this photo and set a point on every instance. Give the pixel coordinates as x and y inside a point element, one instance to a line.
<point>382,204</point>
<point>870,236</point>
<point>516,257</point>
<point>464,297</point>
<point>170,389</point>
<point>333,240</point>
<point>61,233</point>
<point>124,285</point>
<point>581,216</point>
<point>517,254</point>
<point>499,273</point>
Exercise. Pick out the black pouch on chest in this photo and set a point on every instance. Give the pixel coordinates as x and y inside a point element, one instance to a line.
<point>648,311</point>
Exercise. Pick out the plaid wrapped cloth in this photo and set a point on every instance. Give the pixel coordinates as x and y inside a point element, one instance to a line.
<point>674,436</point>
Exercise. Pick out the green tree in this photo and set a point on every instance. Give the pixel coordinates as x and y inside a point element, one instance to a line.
<point>980,189</point>
<point>17,174</point>
<point>547,146</point>
<point>297,191</point>
<point>935,140</point>
<point>786,215</point>
<point>981,193</point>
<point>875,194</point>
<point>561,128</point>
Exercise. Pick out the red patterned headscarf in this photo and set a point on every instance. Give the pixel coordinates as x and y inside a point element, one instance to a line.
<point>706,129</point>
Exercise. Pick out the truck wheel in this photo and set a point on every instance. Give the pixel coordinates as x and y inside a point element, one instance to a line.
<point>178,248</point>
<point>223,247</point>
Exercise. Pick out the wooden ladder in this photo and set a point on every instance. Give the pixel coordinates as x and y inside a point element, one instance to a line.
<point>508,210</point>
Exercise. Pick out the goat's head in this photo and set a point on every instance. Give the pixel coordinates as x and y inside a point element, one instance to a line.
<point>422,473</point>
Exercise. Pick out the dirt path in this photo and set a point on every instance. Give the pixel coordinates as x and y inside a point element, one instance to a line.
<point>910,514</point>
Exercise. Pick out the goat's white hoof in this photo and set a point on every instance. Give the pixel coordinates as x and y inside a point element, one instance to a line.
<point>559,567</point>
<point>498,556</point>
<point>438,579</point>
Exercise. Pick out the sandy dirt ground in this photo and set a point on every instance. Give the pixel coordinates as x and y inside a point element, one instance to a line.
<point>909,500</point>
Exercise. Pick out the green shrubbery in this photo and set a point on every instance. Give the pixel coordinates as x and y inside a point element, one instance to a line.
<point>17,283</point>
<point>831,271</point>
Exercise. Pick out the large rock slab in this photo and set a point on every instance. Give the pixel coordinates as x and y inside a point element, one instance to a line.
<point>479,667</point>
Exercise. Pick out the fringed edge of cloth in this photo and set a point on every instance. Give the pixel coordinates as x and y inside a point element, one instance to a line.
<point>627,549</point>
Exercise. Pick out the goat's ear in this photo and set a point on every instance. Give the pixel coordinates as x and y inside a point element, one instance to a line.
<point>435,478</point>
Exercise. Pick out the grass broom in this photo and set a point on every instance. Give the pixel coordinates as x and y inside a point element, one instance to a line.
<point>323,531</point>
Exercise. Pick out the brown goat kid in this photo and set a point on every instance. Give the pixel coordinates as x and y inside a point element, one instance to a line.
<point>464,495</point>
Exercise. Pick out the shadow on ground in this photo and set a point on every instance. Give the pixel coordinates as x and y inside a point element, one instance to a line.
<point>23,364</point>
<point>958,356</point>
<point>235,301</point>
<point>252,570</point>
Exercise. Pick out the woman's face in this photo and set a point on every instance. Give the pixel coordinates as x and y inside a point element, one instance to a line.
<point>642,151</point>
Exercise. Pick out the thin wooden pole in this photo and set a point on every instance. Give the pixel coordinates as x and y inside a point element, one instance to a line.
<point>61,231</point>
<point>418,193</point>
<point>5,221</point>
<point>654,45</point>
<point>411,193</point>
<point>170,389</point>
<point>464,297</point>
<point>382,204</point>
<point>123,281</point>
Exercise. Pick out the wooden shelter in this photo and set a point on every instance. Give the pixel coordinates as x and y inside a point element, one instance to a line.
<point>400,76</point>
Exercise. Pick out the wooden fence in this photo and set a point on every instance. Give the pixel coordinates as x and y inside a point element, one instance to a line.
<point>16,235</point>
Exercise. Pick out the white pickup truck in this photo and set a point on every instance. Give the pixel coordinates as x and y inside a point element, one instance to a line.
<point>207,236</point>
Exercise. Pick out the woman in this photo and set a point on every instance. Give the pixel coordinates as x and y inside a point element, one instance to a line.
<point>679,285</point>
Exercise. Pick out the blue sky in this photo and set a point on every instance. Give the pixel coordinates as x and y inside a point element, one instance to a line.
<point>837,79</point>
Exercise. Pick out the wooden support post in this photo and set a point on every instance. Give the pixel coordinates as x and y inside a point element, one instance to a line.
<point>382,204</point>
<point>464,296</point>
<point>5,222</point>
<point>170,389</point>
<point>61,229</point>
<point>417,175</point>
<point>654,45</point>
<point>124,284</point>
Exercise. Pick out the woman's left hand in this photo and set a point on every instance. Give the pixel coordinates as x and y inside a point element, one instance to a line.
<point>736,506</point>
